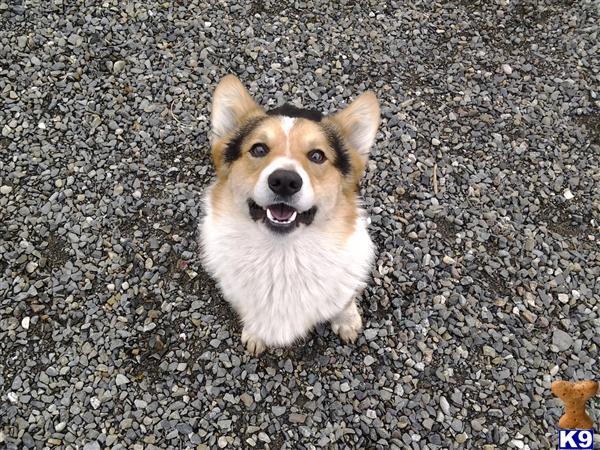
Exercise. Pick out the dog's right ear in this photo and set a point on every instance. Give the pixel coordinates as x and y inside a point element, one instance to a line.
<point>231,104</point>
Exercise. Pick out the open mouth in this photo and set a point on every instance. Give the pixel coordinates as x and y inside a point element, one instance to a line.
<point>281,217</point>
<point>281,214</point>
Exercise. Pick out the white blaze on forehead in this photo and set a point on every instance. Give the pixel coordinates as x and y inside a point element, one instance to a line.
<point>287,123</point>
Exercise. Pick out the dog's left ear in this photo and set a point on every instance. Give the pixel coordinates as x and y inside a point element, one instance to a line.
<point>358,123</point>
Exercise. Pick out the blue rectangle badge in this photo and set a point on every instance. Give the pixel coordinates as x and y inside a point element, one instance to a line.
<point>575,439</point>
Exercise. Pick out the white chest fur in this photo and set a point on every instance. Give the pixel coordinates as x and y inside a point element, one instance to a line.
<point>283,285</point>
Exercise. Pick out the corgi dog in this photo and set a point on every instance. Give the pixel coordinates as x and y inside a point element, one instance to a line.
<point>283,233</point>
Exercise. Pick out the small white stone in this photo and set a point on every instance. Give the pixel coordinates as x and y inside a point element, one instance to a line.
<point>140,404</point>
<point>60,426</point>
<point>118,190</point>
<point>31,266</point>
<point>118,67</point>
<point>369,360</point>
<point>92,446</point>
<point>25,322</point>
<point>58,183</point>
<point>137,195</point>
<point>12,397</point>
<point>517,443</point>
<point>121,379</point>
<point>95,402</point>
<point>507,69</point>
<point>448,260</point>
<point>149,263</point>
<point>125,285</point>
<point>42,126</point>
<point>445,405</point>
<point>110,287</point>
<point>222,442</point>
<point>5,190</point>
<point>435,142</point>
<point>568,194</point>
<point>563,298</point>
<point>370,333</point>
<point>264,437</point>
<point>576,294</point>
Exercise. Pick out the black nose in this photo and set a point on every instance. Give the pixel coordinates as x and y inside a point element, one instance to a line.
<point>285,182</point>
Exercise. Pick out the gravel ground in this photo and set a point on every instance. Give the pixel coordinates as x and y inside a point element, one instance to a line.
<point>484,192</point>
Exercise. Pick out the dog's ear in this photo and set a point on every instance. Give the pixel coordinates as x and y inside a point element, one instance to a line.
<point>231,103</point>
<point>358,123</point>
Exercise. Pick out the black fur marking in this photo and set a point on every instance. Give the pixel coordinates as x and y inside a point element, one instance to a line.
<point>293,111</point>
<point>342,157</point>
<point>234,147</point>
<point>307,217</point>
<point>256,212</point>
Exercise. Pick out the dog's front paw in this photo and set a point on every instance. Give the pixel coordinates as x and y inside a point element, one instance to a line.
<point>254,345</point>
<point>347,326</point>
<point>347,333</point>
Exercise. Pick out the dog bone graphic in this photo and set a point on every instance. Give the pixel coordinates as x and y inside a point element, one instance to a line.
<point>574,396</point>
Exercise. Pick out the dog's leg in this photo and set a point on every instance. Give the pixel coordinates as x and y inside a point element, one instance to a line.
<point>254,345</point>
<point>348,323</point>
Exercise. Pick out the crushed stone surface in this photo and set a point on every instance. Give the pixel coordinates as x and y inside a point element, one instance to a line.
<point>483,191</point>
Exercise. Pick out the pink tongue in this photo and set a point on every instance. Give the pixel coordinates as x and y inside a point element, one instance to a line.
<point>281,212</point>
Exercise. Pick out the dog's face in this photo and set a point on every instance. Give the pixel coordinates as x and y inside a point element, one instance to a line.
<point>288,168</point>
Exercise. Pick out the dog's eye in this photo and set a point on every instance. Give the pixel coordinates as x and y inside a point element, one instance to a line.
<point>259,150</point>
<point>317,156</point>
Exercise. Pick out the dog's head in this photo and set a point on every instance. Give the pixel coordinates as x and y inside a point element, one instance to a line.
<point>289,168</point>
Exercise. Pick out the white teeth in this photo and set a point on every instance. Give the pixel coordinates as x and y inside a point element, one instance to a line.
<point>273,219</point>
<point>270,215</point>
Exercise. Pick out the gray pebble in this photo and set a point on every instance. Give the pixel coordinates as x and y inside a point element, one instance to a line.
<point>563,341</point>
